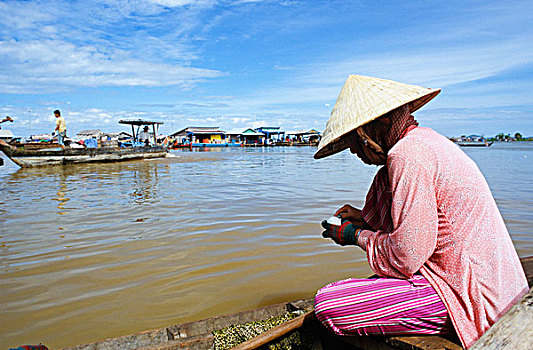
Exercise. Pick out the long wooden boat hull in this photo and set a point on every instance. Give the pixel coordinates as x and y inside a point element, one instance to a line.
<point>49,157</point>
<point>474,144</point>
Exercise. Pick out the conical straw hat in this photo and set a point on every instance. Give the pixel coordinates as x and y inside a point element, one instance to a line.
<point>362,100</point>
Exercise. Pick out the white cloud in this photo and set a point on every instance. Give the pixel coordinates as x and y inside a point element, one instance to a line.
<point>50,66</point>
<point>278,67</point>
<point>53,46</point>
<point>432,67</point>
<point>19,15</point>
<point>239,120</point>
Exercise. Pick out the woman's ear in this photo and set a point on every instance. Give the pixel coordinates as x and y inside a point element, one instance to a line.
<point>368,142</point>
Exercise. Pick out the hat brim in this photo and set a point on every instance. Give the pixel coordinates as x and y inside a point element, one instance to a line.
<point>341,143</point>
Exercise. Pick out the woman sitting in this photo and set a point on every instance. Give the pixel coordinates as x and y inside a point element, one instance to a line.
<point>430,227</point>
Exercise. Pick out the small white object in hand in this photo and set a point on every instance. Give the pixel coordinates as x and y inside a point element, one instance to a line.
<point>334,220</point>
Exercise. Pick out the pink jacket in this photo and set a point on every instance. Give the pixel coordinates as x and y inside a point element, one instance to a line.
<point>448,227</point>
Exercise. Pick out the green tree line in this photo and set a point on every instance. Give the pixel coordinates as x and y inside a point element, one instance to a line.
<point>506,137</point>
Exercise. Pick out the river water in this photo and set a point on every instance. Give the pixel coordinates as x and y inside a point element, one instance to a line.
<point>96,251</point>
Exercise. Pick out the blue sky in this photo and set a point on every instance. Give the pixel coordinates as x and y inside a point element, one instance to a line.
<point>250,63</point>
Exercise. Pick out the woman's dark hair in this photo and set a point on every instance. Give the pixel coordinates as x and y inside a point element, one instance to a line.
<point>57,112</point>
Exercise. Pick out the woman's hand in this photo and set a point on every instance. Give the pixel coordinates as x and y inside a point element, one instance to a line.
<point>345,234</point>
<point>347,212</point>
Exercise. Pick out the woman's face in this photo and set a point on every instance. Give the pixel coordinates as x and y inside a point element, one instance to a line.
<point>365,152</point>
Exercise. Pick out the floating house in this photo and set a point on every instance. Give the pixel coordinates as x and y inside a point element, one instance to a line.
<point>311,136</point>
<point>234,136</point>
<point>89,134</point>
<point>476,138</point>
<point>40,137</point>
<point>272,132</point>
<point>252,137</point>
<point>118,136</point>
<point>193,136</point>
<point>204,135</point>
<point>201,137</point>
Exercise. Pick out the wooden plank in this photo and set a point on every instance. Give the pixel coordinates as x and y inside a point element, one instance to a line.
<point>513,331</point>
<point>374,343</point>
<point>427,342</point>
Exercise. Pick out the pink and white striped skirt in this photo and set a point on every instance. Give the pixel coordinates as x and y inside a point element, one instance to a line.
<point>382,306</point>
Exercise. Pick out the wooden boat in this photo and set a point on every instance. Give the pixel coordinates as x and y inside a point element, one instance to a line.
<point>56,156</point>
<point>306,329</point>
<point>31,155</point>
<point>474,143</point>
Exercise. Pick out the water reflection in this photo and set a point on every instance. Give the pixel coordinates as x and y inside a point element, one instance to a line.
<point>61,197</point>
<point>145,181</point>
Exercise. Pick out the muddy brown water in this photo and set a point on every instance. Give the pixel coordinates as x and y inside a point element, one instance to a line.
<point>89,252</point>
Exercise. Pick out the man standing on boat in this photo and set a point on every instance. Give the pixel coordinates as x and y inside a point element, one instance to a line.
<point>61,128</point>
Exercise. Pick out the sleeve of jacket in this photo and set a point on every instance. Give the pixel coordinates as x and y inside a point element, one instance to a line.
<point>402,252</point>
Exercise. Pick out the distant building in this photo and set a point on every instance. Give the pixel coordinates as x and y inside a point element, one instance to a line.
<point>117,136</point>
<point>6,135</point>
<point>234,136</point>
<point>89,134</point>
<point>199,135</point>
<point>41,137</point>
<point>272,132</point>
<point>309,136</point>
<point>251,136</point>
<point>475,138</point>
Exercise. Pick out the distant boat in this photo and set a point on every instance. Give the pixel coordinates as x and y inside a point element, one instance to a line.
<point>474,143</point>
<point>33,156</point>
